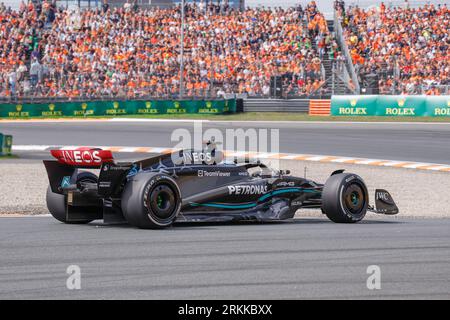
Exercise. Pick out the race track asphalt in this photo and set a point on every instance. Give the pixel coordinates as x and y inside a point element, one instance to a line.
<point>422,142</point>
<point>305,258</point>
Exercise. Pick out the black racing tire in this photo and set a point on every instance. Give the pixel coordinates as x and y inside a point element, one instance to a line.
<point>151,200</point>
<point>56,203</point>
<point>345,198</point>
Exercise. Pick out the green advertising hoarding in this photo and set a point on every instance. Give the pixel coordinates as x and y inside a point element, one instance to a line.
<point>378,105</point>
<point>354,105</point>
<point>408,106</point>
<point>116,108</point>
<point>438,106</point>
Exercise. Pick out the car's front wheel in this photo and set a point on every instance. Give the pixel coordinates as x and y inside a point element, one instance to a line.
<point>345,198</point>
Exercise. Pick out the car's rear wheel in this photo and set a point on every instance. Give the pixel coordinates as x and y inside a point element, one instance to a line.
<point>57,203</point>
<point>151,201</point>
<point>345,198</point>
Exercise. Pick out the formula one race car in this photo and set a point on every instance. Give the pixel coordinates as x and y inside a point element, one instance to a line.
<point>189,185</point>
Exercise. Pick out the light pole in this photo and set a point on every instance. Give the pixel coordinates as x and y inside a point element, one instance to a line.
<point>182,52</point>
<point>213,52</point>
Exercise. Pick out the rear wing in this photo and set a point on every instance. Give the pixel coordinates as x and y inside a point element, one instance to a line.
<point>84,157</point>
<point>63,172</point>
<point>59,175</point>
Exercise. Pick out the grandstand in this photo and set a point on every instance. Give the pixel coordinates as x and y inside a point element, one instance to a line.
<point>406,48</point>
<point>133,52</point>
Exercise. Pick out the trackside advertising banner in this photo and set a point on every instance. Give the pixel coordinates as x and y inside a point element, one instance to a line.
<point>402,106</point>
<point>113,108</point>
<point>439,106</point>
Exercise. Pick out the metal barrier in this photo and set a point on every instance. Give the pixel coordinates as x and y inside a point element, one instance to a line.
<point>29,99</point>
<point>417,90</point>
<point>318,94</point>
<point>276,105</point>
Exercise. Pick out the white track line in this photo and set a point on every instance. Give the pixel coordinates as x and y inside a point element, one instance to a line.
<point>30,148</point>
<point>62,120</point>
<point>154,120</point>
<point>274,121</point>
<point>266,155</point>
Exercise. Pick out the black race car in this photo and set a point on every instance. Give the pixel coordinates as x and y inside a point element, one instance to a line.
<point>189,185</point>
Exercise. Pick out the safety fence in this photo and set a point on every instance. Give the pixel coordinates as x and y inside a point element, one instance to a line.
<point>378,105</point>
<point>116,108</point>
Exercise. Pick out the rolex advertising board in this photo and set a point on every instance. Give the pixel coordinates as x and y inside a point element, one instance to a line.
<point>116,108</point>
<point>391,106</point>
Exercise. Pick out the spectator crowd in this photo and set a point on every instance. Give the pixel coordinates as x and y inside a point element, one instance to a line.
<point>408,48</point>
<point>135,52</point>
